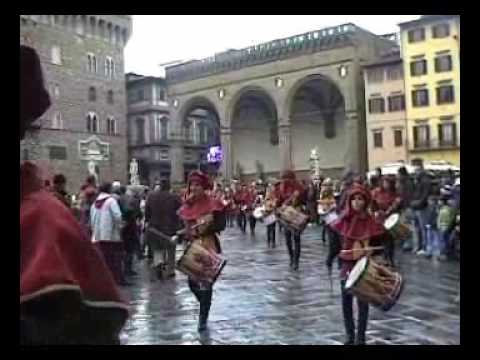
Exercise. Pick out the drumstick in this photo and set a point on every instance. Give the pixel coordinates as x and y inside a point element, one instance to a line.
<point>364,249</point>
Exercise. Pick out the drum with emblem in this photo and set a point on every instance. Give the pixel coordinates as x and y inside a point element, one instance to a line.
<point>398,229</point>
<point>374,283</point>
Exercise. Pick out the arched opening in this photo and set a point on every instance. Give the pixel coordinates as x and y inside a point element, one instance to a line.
<point>92,94</point>
<point>254,123</point>
<point>201,130</point>
<point>93,26</point>
<point>317,114</point>
<point>92,122</point>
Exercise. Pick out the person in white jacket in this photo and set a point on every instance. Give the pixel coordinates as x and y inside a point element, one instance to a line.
<point>106,224</point>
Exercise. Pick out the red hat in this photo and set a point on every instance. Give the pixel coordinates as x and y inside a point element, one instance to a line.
<point>289,175</point>
<point>201,178</point>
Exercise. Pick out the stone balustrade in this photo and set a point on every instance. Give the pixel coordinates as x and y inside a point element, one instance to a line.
<point>311,42</point>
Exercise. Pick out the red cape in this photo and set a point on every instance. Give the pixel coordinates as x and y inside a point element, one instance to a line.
<point>55,255</point>
<point>193,210</point>
<point>383,199</point>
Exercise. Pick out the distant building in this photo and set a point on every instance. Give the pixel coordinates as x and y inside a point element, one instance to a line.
<point>431,55</point>
<point>85,128</point>
<point>385,111</point>
<point>150,127</point>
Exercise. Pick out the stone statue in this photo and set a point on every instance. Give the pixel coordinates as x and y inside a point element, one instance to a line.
<point>92,170</point>
<point>134,178</point>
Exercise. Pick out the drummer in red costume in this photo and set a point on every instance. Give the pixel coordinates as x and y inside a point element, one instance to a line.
<point>250,201</point>
<point>240,202</point>
<point>291,192</point>
<point>358,230</point>
<point>200,208</point>
<point>67,293</point>
<point>385,202</point>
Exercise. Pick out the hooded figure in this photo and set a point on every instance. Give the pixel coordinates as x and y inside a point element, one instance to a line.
<point>67,293</point>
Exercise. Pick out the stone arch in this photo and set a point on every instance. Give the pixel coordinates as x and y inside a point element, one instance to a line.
<point>253,118</point>
<point>101,28</point>
<point>203,103</point>
<point>124,37</point>
<point>93,26</point>
<point>109,31</point>
<point>116,33</point>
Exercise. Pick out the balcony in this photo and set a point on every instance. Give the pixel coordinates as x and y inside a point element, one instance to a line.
<point>434,145</point>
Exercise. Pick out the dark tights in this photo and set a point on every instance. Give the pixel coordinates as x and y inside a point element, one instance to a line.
<point>204,297</point>
<point>347,307</point>
<point>271,235</point>
<point>294,253</point>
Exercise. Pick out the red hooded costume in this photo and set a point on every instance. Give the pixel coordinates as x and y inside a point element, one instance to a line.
<point>356,227</point>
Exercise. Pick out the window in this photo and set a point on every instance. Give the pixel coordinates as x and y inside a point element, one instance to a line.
<point>92,94</point>
<point>164,155</point>
<point>376,106</point>
<point>377,139</point>
<point>421,136</point>
<point>164,127</point>
<point>57,152</point>
<point>110,97</point>
<point>375,75</point>
<point>440,31</point>
<point>447,134</point>
<point>418,68</point>
<point>443,63</point>
<point>56,55</point>
<point>92,122</point>
<point>158,94</point>
<point>111,126</point>
<point>140,95</point>
<point>188,133</point>
<point>398,137</point>
<point>420,97</point>
<point>162,95</point>
<point>140,131</point>
<point>396,103</point>
<point>416,35</point>
<point>445,95</point>
<point>109,68</point>
<point>57,122</point>
<point>92,63</point>
<point>395,72</point>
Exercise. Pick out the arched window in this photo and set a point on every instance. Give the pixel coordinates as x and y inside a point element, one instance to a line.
<point>109,31</point>
<point>57,121</point>
<point>101,28</point>
<point>91,63</point>
<point>92,94</point>
<point>111,126</point>
<point>93,26</point>
<point>110,97</point>
<point>92,122</point>
<point>109,67</point>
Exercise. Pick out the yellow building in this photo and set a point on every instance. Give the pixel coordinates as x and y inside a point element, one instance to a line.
<point>431,58</point>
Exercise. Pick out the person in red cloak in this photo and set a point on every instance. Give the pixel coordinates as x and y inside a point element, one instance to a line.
<point>200,208</point>
<point>251,202</point>
<point>240,203</point>
<point>357,229</point>
<point>291,192</point>
<point>67,294</point>
<point>385,202</point>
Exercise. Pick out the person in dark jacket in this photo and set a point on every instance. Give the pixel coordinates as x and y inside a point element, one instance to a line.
<point>405,189</point>
<point>161,214</point>
<point>419,204</point>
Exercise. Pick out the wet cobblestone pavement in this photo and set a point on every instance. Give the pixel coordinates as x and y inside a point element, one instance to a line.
<point>258,300</point>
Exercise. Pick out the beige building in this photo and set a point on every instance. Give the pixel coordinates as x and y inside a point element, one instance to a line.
<point>385,111</point>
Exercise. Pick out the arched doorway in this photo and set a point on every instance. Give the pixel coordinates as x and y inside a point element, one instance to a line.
<point>254,125</point>
<point>317,114</point>
<point>200,126</point>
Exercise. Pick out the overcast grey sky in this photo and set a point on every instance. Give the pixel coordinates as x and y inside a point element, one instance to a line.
<point>158,39</point>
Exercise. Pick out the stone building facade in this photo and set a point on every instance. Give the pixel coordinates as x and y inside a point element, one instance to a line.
<point>275,102</point>
<point>83,63</point>
<point>385,111</point>
<point>149,124</point>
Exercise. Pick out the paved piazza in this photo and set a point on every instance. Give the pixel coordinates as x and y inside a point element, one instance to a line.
<point>258,300</point>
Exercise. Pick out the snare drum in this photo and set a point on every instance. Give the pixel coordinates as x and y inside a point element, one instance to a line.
<point>293,218</point>
<point>330,217</point>
<point>398,229</point>
<point>200,263</point>
<point>259,212</point>
<point>374,283</point>
<point>270,219</point>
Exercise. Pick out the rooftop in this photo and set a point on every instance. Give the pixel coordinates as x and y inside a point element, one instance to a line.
<point>424,19</point>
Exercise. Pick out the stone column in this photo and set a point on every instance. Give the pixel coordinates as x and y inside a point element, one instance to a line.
<point>355,152</point>
<point>285,146</point>
<point>177,174</point>
<point>226,166</point>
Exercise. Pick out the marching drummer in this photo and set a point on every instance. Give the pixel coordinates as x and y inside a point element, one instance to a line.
<point>251,201</point>
<point>385,202</point>
<point>270,205</point>
<point>358,230</point>
<point>292,193</point>
<point>204,218</point>
<point>239,199</point>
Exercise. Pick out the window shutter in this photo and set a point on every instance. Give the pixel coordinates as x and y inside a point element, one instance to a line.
<point>424,67</point>
<point>437,64</point>
<point>454,133</point>
<point>440,134</point>
<point>427,128</point>
<point>412,68</point>
<point>415,136</point>
<point>370,106</point>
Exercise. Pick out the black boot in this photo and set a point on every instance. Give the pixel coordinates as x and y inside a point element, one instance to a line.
<point>205,303</point>
<point>347,308</point>
<point>362,322</point>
